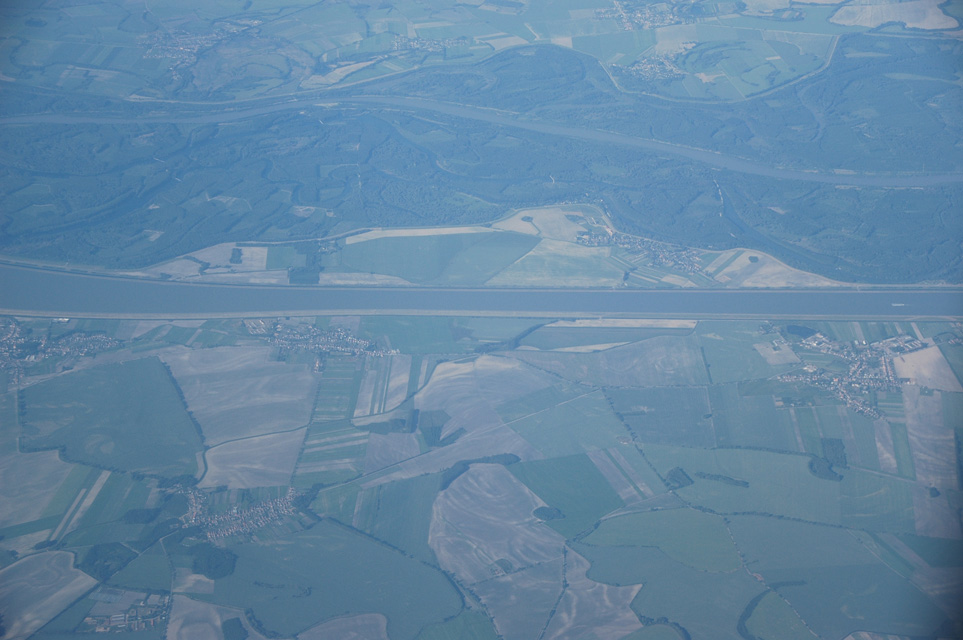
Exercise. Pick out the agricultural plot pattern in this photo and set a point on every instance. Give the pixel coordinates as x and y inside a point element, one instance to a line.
<point>631,479</point>
<point>286,141</point>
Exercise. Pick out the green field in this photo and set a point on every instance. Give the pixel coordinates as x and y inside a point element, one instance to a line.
<point>876,503</point>
<point>864,434</point>
<point>582,424</point>
<point>937,552</point>
<point>537,401</point>
<point>119,494</point>
<point>329,571</point>
<point>749,421</point>
<point>412,334</point>
<point>808,430</point>
<point>954,356</point>
<point>150,571</point>
<point>901,447</point>
<point>696,539</point>
<point>666,415</point>
<point>778,484</point>
<point>452,259</point>
<point>126,416</point>
<point>80,478</point>
<point>774,619</point>
<point>654,632</point>
<point>468,625</point>
<point>400,513</point>
<point>706,605</point>
<point>837,600</point>
<point>844,581</point>
<point>574,486</point>
<point>772,543</point>
<point>728,351</point>
<point>338,390</point>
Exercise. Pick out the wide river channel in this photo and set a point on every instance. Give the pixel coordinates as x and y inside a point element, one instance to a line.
<point>31,291</point>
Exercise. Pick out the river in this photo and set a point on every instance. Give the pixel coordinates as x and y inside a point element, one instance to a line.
<point>33,291</point>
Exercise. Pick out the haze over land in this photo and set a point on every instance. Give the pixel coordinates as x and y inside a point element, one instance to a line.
<point>494,319</point>
<point>814,133</point>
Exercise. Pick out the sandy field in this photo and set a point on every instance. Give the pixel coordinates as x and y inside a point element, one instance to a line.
<point>28,481</point>
<point>485,516</point>
<point>367,626</point>
<point>37,588</point>
<point>589,608</point>
<point>193,620</point>
<point>766,272</point>
<point>915,14</point>
<point>247,277</point>
<point>590,348</point>
<point>252,258</point>
<point>662,360</point>
<point>629,323</point>
<point>554,263</point>
<point>237,392</point>
<point>549,222</point>
<point>187,581</point>
<point>884,448</point>
<point>931,442</point>
<point>927,368</point>
<point>407,233</point>
<point>264,461</point>
<point>521,601</point>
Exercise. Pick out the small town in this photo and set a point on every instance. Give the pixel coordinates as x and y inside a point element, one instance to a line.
<point>661,253</point>
<point>632,16</point>
<point>237,521</point>
<point>870,368</point>
<point>433,45</point>
<point>19,350</point>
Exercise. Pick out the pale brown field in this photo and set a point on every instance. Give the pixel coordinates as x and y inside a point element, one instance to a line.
<point>367,626</point>
<point>37,588</point>
<point>485,516</point>
<point>927,368</point>
<point>264,461</point>
<point>590,608</point>
<point>237,392</point>
<point>194,620</point>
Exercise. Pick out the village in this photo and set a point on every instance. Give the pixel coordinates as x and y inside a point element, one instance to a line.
<point>238,520</point>
<point>20,351</point>
<point>870,368</point>
<point>662,254</point>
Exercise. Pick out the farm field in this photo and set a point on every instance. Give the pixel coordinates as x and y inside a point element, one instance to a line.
<point>691,537</point>
<point>529,248</point>
<point>379,335</point>
<point>163,439</point>
<point>687,481</point>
